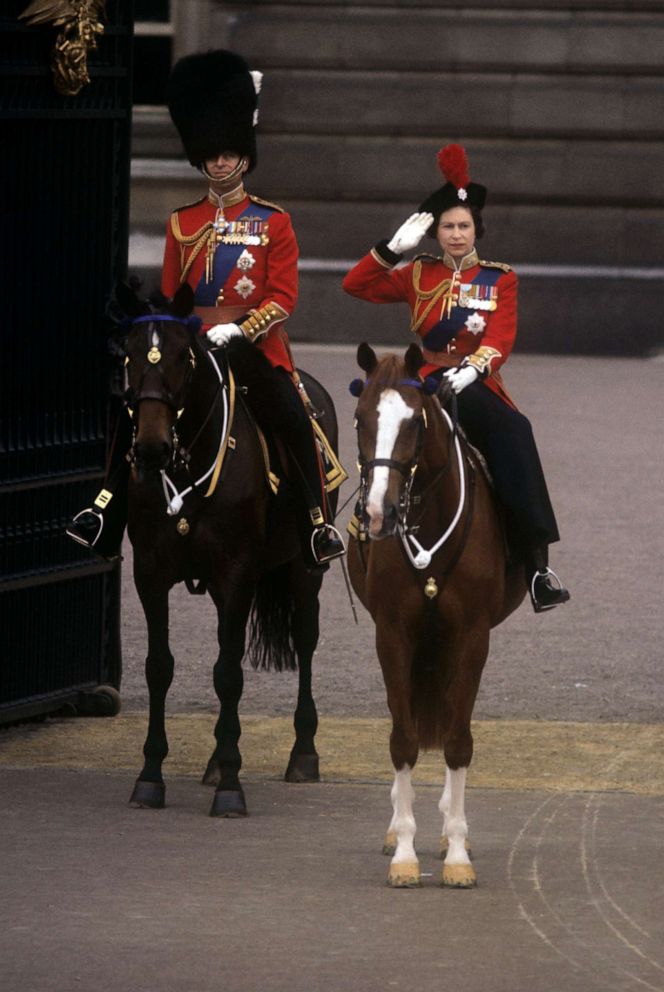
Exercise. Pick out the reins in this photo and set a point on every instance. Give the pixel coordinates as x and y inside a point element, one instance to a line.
<point>422,557</point>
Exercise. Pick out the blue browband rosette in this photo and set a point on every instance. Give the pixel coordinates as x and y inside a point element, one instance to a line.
<point>192,322</point>
<point>428,386</point>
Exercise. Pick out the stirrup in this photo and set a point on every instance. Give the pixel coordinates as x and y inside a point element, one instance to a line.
<point>86,528</point>
<point>332,540</point>
<point>83,531</point>
<point>558,592</point>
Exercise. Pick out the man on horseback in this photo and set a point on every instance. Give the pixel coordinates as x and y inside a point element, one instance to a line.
<point>239,254</point>
<point>464,310</point>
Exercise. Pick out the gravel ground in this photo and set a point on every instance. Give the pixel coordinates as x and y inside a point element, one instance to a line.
<point>597,423</point>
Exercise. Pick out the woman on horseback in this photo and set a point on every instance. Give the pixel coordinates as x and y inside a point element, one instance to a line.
<point>464,309</point>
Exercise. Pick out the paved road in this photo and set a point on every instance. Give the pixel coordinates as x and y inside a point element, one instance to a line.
<point>598,426</point>
<point>97,896</point>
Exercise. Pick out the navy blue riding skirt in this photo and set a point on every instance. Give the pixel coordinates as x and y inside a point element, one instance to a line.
<point>505,438</point>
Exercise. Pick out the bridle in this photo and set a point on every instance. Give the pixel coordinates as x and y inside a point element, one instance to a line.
<point>406,468</point>
<point>419,556</point>
<point>180,456</point>
<point>154,336</point>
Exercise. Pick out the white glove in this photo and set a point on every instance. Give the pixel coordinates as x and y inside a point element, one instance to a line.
<point>410,233</point>
<point>221,334</point>
<point>459,378</point>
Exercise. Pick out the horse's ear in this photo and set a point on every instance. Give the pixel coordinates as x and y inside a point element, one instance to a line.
<point>129,301</point>
<point>183,301</point>
<point>414,360</point>
<point>366,358</point>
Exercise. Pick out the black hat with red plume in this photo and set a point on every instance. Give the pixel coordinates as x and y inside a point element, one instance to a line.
<point>458,191</point>
<point>212,98</point>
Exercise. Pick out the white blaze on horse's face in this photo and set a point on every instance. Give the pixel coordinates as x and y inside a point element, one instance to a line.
<point>392,411</point>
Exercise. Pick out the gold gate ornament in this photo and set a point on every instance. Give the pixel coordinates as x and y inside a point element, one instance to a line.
<point>80,24</point>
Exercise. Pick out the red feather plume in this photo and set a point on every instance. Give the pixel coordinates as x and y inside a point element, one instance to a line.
<point>453,164</point>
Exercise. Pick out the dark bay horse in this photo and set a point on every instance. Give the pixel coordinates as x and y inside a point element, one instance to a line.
<point>428,561</point>
<point>201,511</point>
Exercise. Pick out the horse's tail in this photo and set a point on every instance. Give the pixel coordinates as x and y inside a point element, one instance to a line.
<point>271,623</point>
<point>430,677</point>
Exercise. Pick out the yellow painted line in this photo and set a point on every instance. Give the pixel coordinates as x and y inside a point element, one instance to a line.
<point>509,754</point>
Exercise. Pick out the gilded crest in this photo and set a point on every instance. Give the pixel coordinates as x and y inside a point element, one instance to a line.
<point>80,24</point>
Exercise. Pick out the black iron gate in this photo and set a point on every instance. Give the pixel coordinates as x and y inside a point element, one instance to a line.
<point>64,185</point>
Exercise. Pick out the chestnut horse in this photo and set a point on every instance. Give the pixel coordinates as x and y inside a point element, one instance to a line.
<point>428,561</point>
<point>201,511</point>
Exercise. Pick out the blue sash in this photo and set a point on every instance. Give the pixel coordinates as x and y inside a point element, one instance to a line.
<point>440,335</point>
<point>225,259</point>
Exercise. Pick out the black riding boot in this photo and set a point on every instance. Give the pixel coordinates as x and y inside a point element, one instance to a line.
<point>321,542</point>
<point>546,589</point>
<point>100,527</point>
<point>274,401</point>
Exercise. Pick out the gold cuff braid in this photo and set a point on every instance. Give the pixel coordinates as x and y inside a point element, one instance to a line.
<point>482,359</point>
<point>259,321</point>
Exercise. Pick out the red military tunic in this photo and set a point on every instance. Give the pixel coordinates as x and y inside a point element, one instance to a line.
<point>240,259</point>
<point>465,313</point>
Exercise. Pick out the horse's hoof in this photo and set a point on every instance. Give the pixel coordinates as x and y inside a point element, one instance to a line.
<point>212,774</point>
<point>390,843</point>
<point>229,803</point>
<point>459,877</point>
<point>302,768</point>
<point>404,875</point>
<point>445,844</point>
<point>148,795</point>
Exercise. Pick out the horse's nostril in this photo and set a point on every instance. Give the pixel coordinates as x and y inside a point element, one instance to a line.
<point>390,514</point>
<point>153,455</point>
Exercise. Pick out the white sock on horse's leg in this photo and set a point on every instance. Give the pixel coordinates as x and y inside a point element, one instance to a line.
<point>444,804</point>
<point>455,826</point>
<point>403,821</point>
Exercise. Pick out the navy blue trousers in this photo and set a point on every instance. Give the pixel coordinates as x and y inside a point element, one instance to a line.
<point>505,438</point>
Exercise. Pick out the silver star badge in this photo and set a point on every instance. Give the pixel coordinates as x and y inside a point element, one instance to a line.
<point>476,323</point>
<point>245,261</point>
<point>244,287</point>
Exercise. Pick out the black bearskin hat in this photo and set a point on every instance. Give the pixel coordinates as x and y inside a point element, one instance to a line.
<point>213,98</point>
<point>458,191</point>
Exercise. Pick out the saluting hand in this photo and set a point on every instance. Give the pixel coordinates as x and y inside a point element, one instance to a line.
<point>459,378</point>
<point>221,334</point>
<point>410,233</point>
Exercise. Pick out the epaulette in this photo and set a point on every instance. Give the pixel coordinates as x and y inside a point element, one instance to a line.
<point>186,206</point>
<point>427,257</point>
<point>495,265</point>
<point>266,203</point>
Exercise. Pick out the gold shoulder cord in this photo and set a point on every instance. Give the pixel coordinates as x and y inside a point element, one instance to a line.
<point>495,265</point>
<point>201,238</point>
<point>266,203</point>
<point>433,295</point>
